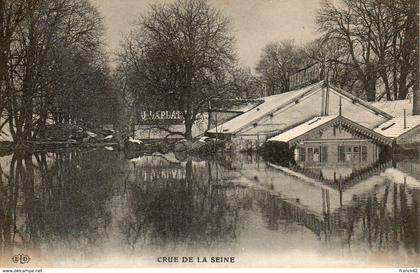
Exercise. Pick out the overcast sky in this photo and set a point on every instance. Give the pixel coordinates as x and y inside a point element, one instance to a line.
<point>255,22</point>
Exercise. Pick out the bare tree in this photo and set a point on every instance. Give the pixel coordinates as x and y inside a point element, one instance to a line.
<point>342,23</point>
<point>12,13</point>
<point>47,33</point>
<point>176,57</point>
<point>278,61</point>
<point>380,38</point>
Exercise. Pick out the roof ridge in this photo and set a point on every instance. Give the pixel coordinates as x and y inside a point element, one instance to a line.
<point>361,101</point>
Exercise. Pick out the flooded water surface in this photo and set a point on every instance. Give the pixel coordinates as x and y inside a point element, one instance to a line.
<point>100,208</point>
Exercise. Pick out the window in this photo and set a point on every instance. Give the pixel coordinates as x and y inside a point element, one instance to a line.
<point>341,154</point>
<point>352,153</point>
<point>364,153</point>
<point>316,155</point>
<point>310,154</point>
<point>324,153</point>
<point>356,153</point>
<point>349,153</point>
<point>302,154</point>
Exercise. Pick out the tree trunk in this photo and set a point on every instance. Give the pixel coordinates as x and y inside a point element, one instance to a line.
<point>370,88</point>
<point>369,82</point>
<point>384,77</point>
<point>188,128</point>
<point>416,102</point>
<point>403,90</point>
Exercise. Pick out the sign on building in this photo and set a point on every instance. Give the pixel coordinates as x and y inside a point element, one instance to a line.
<point>163,117</point>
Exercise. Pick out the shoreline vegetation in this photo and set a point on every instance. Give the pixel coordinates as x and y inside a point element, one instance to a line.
<point>162,146</point>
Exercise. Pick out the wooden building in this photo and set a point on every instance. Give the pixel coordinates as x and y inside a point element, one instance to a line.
<point>333,145</point>
<point>404,127</point>
<point>404,131</point>
<point>279,113</point>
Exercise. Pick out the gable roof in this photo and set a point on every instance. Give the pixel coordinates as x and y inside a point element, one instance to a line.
<point>270,104</point>
<point>394,128</point>
<point>361,102</point>
<point>302,129</point>
<point>306,129</point>
<point>274,103</point>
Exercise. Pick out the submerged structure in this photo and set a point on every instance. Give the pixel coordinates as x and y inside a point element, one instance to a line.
<point>333,138</point>
<point>280,113</point>
<point>385,123</point>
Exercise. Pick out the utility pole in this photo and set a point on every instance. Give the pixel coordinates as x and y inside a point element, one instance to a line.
<point>325,89</point>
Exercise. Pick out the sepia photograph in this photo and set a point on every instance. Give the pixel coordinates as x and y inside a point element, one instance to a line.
<point>139,134</point>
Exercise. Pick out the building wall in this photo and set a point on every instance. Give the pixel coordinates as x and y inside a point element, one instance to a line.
<point>335,132</point>
<point>146,132</point>
<point>246,142</point>
<point>333,167</point>
<point>336,151</point>
<point>355,157</point>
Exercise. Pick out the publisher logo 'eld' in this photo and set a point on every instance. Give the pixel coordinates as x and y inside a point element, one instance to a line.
<point>21,258</point>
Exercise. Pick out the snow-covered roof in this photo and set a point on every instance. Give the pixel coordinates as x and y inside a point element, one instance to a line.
<point>395,108</point>
<point>246,107</point>
<point>306,129</point>
<point>365,104</point>
<point>270,104</point>
<point>235,105</point>
<point>302,129</point>
<point>395,127</point>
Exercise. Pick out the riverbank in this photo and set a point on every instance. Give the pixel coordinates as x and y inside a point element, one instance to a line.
<point>7,147</point>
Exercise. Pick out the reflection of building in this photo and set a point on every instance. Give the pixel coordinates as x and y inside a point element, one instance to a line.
<point>410,167</point>
<point>355,216</point>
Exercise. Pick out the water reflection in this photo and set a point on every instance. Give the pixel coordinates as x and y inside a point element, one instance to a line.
<point>175,204</point>
<point>97,207</point>
<point>51,199</point>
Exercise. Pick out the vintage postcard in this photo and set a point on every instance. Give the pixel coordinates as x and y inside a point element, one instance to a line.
<point>209,134</point>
